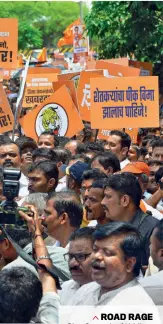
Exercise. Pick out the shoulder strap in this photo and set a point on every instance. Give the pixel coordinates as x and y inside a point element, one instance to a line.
<point>54,272</point>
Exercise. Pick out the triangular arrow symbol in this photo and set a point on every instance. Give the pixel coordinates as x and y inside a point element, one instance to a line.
<point>95,317</point>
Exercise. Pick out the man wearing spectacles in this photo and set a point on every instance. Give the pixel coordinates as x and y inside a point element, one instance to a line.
<point>79,259</point>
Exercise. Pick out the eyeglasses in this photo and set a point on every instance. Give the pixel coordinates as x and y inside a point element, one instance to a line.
<point>79,257</point>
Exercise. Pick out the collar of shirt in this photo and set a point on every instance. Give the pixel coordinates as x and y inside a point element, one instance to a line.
<point>57,243</point>
<point>111,294</point>
<point>124,163</point>
<point>23,190</point>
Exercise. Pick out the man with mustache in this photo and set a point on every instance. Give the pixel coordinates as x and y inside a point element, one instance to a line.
<point>10,158</point>
<point>48,139</point>
<point>43,177</point>
<point>116,264</point>
<point>9,153</point>
<point>79,259</point>
<point>121,202</point>
<point>27,145</point>
<point>62,216</point>
<point>95,212</point>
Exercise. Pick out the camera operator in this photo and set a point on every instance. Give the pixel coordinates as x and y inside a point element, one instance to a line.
<point>10,158</point>
<point>48,310</point>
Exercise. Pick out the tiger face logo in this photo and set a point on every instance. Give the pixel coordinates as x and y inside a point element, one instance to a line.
<point>52,117</point>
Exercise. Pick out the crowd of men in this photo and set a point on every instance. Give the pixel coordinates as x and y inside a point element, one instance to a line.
<point>97,217</point>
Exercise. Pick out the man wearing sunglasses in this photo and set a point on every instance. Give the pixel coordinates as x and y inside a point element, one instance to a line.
<point>79,259</point>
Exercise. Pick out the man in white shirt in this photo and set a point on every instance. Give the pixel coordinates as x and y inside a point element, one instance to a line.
<point>119,143</point>
<point>79,260</point>
<point>62,216</point>
<point>154,284</point>
<point>95,212</point>
<point>26,145</point>
<point>116,263</point>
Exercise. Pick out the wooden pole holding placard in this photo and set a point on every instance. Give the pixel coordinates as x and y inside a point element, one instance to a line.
<point>20,98</point>
<point>81,10</point>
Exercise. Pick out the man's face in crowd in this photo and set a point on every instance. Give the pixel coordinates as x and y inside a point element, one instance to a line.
<point>152,185</point>
<point>110,269</point>
<point>114,144</point>
<point>7,251</point>
<point>9,156</point>
<point>113,204</point>
<point>52,220</point>
<point>132,156</point>
<point>156,250</point>
<point>150,151</point>
<point>85,187</point>
<point>71,146</point>
<point>94,209</point>
<point>38,182</point>
<point>96,165</point>
<point>157,153</point>
<point>46,141</point>
<point>26,156</point>
<point>80,269</point>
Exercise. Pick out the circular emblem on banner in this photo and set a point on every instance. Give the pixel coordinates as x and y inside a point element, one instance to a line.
<point>76,80</point>
<point>52,117</point>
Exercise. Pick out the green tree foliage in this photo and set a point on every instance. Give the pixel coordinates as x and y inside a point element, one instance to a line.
<point>41,23</point>
<point>128,27</point>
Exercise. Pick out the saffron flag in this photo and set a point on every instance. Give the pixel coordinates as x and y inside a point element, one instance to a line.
<point>42,56</point>
<point>68,37</point>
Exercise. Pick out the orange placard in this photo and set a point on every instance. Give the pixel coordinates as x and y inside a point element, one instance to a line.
<point>8,42</point>
<point>43,70</point>
<point>103,134</point>
<point>146,68</point>
<point>74,76</point>
<point>117,69</point>
<point>38,88</point>
<point>83,92</point>
<point>1,74</point>
<point>133,132</point>
<point>58,113</point>
<point>6,116</point>
<point>124,102</point>
<point>71,87</point>
<point>121,61</point>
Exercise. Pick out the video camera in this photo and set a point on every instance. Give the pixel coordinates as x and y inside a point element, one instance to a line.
<point>9,208</point>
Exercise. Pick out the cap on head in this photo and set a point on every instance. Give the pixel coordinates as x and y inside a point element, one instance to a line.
<point>137,168</point>
<point>76,170</point>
